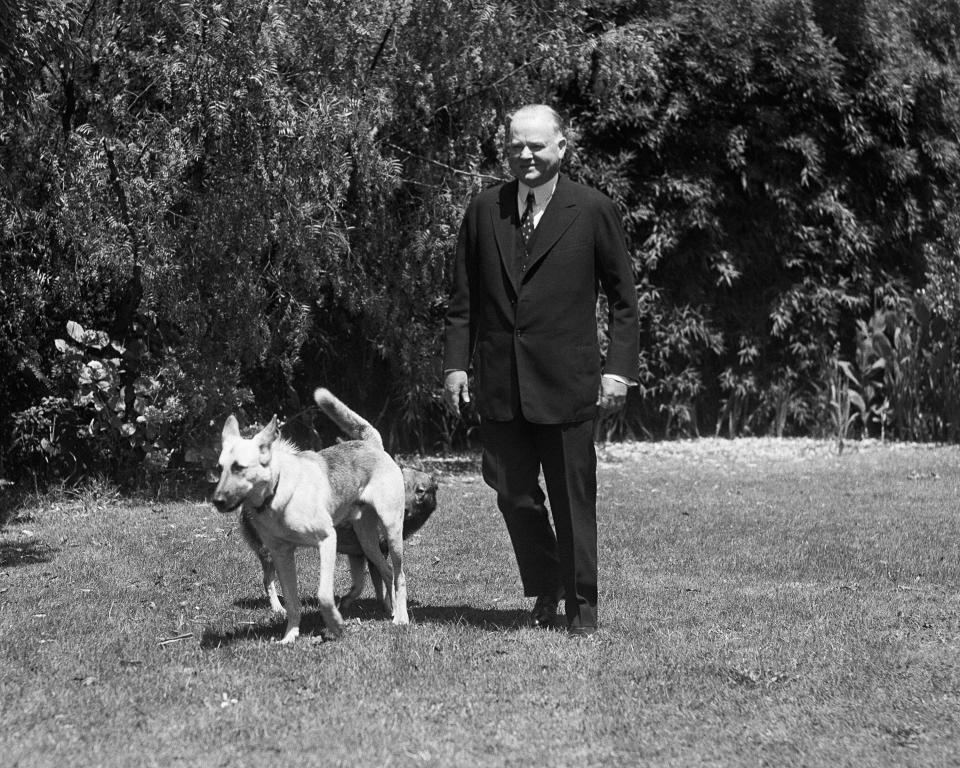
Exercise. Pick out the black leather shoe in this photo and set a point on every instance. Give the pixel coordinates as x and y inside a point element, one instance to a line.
<point>544,613</point>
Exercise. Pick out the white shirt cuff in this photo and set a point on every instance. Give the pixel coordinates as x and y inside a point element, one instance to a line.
<point>621,379</point>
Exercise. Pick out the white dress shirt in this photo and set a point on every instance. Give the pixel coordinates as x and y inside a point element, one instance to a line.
<point>542,194</point>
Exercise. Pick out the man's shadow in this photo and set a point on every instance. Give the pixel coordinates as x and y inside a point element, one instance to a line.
<point>311,622</point>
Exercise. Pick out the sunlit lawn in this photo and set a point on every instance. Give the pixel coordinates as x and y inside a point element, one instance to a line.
<point>763,603</point>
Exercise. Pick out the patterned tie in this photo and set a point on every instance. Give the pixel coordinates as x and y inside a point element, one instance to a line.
<point>526,221</point>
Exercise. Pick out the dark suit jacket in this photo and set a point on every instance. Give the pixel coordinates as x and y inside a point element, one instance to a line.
<point>530,335</point>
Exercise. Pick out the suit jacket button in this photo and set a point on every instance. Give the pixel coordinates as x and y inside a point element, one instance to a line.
<point>523,267</point>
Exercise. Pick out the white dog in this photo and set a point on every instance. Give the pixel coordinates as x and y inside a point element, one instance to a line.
<point>294,498</point>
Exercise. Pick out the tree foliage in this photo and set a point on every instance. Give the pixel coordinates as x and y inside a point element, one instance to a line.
<point>786,168</point>
<point>242,200</point>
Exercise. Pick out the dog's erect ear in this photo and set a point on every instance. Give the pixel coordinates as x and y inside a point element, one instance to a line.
<point>231,428</point>
<point>268,434</point>
<point>265,438</point>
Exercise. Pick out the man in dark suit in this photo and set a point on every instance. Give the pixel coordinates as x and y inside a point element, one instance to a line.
<point>531,256</point>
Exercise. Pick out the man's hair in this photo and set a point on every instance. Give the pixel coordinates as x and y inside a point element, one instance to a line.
<point>528,108</point>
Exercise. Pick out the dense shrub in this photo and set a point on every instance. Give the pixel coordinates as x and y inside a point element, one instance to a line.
<point>219,206</point>
<point>787,169</point>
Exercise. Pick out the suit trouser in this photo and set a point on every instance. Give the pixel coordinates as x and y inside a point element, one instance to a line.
<point>564,555</point>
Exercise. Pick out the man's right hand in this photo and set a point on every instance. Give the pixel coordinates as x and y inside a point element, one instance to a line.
<point>455,390</point>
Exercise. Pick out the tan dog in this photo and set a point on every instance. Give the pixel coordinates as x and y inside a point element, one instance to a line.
<point>419,504</point>
<point>295,498</point>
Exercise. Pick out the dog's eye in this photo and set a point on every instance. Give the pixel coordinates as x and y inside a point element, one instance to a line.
<point>236,468</point>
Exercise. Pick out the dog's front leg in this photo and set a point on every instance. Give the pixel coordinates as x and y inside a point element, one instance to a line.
<point>256,544</point>
<point>270,585</point>
<point>378,583</point>
<point>286,565</point>
<point>358,573</point>
<point>328,605</point>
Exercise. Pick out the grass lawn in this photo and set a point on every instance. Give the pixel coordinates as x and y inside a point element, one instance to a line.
<point>763,603</point>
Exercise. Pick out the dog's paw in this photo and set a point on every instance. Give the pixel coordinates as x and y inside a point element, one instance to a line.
<point>333,625</point>
<point>292,634</point>
<point>332,633</point>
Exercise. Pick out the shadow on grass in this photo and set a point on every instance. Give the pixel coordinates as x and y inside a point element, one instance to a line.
<point>271,626</point>
<point>14,553</point>
<point>311,622</point>
<point>493,619</point>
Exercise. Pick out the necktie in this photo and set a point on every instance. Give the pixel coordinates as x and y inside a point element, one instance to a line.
<point>526,221</point>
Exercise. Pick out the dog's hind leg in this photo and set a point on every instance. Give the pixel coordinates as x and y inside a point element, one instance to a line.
<point>368,532</point>
<point>286,565</point>
<point>391,571</point>
<point>398,586</point>
<point>384,499</point>
<point>391,517</point>
<point>328,605</point>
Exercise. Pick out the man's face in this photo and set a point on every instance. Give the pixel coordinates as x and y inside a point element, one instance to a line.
<point>534,148</point>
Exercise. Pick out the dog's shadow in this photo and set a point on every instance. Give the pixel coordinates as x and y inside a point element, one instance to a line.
<point>311,622</point>
<point>31,552</point>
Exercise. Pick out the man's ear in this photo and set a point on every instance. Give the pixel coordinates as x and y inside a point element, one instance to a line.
<point>265,438</point>
<point>231,429</point>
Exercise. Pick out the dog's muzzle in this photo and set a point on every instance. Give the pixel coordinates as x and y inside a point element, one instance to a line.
<point>221,504</point>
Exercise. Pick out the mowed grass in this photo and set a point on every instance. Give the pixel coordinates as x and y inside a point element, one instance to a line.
<point>763,603</point>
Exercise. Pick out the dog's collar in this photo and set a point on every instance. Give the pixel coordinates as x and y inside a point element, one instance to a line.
<point>269,497</point>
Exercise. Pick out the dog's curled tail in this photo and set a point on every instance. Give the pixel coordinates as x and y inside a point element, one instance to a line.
<point>352,424</point>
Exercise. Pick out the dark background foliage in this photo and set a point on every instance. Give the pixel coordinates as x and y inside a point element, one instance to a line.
<point>214,207</point>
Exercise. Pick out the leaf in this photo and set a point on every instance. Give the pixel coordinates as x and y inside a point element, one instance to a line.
<point>847,369</point>
<point>76,332</point>
<point>856,400</point>
<point>87,338</point>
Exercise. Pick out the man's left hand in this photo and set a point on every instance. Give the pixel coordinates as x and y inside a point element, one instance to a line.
<point>613,394</point>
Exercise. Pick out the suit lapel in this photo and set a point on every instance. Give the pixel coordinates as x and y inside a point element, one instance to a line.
<point>505,229</point>
<point>559,215</point>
